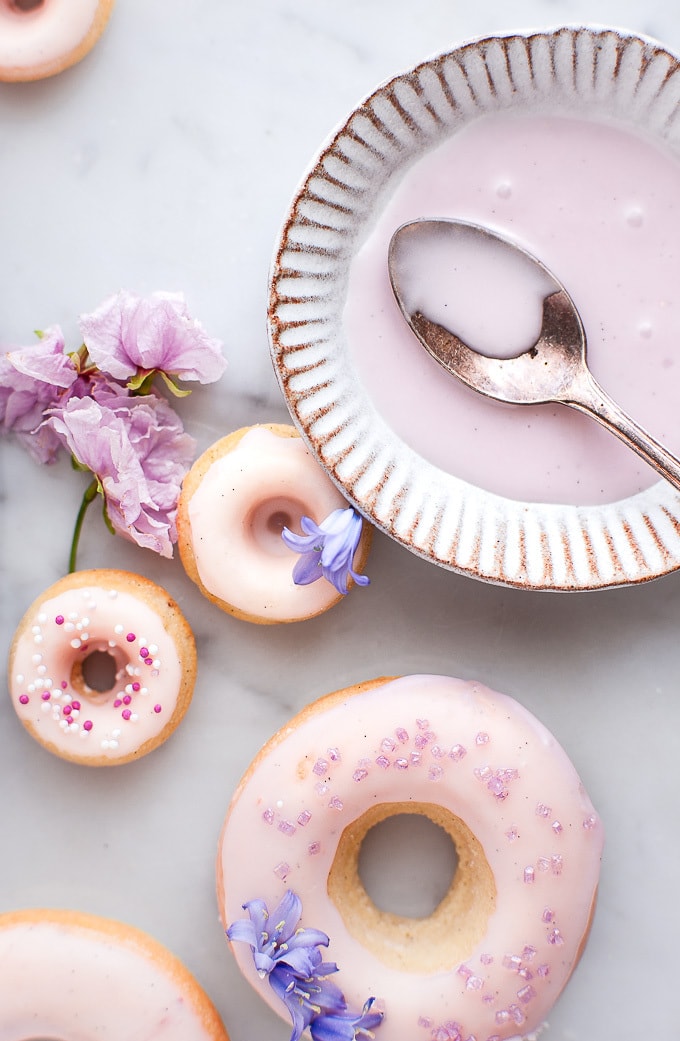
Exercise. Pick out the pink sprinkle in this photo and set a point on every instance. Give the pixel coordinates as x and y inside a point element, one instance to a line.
<point>359,775</point>
<point>474,983</point>
<point>131,638</point>
<point>46,695</point>
<point>556,827</point>
<point>416,758</point>
<point>542,810</point>
<point>529,875</point>
<point>401,764</point>
<point>590,822</point>
<point>157,709</point>
<point>136,687</point>
<point>148,661</point>
<point>556,864</point>
<point>335,803</point>
<point>512,962</point>
<point>435,773</point>
<point>482,738</point>
<point>75,705</point>
<point>126,713</point>
<point>313,848</point>
<point>512,833</point>
<point>382,761</point>
<point>143,652</point>
<point>422,724</point>
<point>486,959</point>
<point>282,869</point>
<point>334,755</point>
<point>555,938</point>
<point>517,1014</point>
<point>117,703</point>
<point>457,753</point>
<point>547,915</point>
<point>543,971</point>
<point>59,619</point>
<point>67,710</point>
<point>287,827</point>
<point>424,1021</point>
<point>320,767</point>
<point>87,725</point>
<point>464,972</point>
<point>529,953</point>
<point>127,699</point>
<point>387,744</point>
<point>304,818</point>
<point>526,994</point>
<point>24,699</point>
<point>268,816</point>
<point>402,735</point>
<point>526,974</point>
<point>64,684</point>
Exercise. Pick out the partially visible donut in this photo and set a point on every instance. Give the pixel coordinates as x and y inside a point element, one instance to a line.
<point>67,975</point>
<point>146,654</point>
<point>492,959</point>
<point>39,38</point>
<point>234,503</point>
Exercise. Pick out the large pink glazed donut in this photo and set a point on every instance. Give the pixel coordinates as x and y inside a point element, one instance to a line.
<point>39,38</point>
<point>72,975</point>
<point>138,629</point>
<point>492,959</point>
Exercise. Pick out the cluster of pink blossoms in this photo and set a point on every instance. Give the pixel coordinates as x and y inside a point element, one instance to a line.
<point>98,403</point>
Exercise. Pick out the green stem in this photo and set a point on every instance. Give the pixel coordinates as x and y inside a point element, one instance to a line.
<point>90,494</point>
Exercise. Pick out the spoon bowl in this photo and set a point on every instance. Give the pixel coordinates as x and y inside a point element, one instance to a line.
<point>553,368</point>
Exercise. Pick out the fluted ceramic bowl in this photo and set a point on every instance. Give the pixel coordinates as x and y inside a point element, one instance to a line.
<point>381,416</point>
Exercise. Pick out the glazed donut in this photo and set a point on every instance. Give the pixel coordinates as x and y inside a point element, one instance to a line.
<point>495,954</point>
<point>39,38</point>
<point>146,655</point>
<point>235,501</point>
<point>67,975</point>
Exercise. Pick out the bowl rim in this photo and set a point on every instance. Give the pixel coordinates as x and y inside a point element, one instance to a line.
<point>442,518</point>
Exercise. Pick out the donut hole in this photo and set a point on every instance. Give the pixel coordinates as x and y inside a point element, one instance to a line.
<point>422,940</point>
<point>406,842</point>
<point>24,6</point>
<point>267,520</point>
<point>97,672</point>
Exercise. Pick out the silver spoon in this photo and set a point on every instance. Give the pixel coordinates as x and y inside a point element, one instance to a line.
<point>554,369</point>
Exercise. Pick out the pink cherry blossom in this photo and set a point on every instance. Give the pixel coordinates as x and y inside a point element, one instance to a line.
<point>128,335</point>
<point>33,379</point>
<point>137,449</point>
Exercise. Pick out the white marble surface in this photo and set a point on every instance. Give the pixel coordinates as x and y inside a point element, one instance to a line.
<point>167,160</point>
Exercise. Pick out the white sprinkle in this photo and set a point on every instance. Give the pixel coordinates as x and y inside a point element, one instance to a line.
<point>79,626</point>
<point>279,804</point>
<point>118,630</point>
<point>85,637</point>
<point>144,690</point>
<point>72,616</point>
<point>37,639</point>
<point>116,732</point>
<point>86,621</point>
<point>82,733</point>
<point>113,744</point>
<point>41,670</point>
<point>45,706</point>
<point>42,617</point>
<point>75,643</point>
<point>48,684</point>
<point>69,627</point>
<point>105,744</point>
<point>112,643</point>
<point>31,688</point>
<point>36,659</point>
<point>38,685</point>
<point>63,723</point>
<point>35,630</point>
<point>156,663</point>
<point>153,648</point>
<point>134,717</point>
<point>75,714</point>
<point>20,677</point>
<point>113,593</point>
<point>67,698</point>
<point>128,689</point>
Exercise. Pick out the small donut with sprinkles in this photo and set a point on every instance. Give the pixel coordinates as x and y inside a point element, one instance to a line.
<point>102,667</point>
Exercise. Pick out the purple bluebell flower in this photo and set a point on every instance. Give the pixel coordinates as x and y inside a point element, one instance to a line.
<point>307,997</point>
<point>327,549</point>
<point>290,957</point>
<point>345,1025</point>
<point>131,339</point>
<point>276,938</point>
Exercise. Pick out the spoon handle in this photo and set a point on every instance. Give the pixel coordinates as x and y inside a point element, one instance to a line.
<point>587,395</point>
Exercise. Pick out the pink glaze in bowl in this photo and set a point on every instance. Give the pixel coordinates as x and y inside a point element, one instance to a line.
<point>400,437</point>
